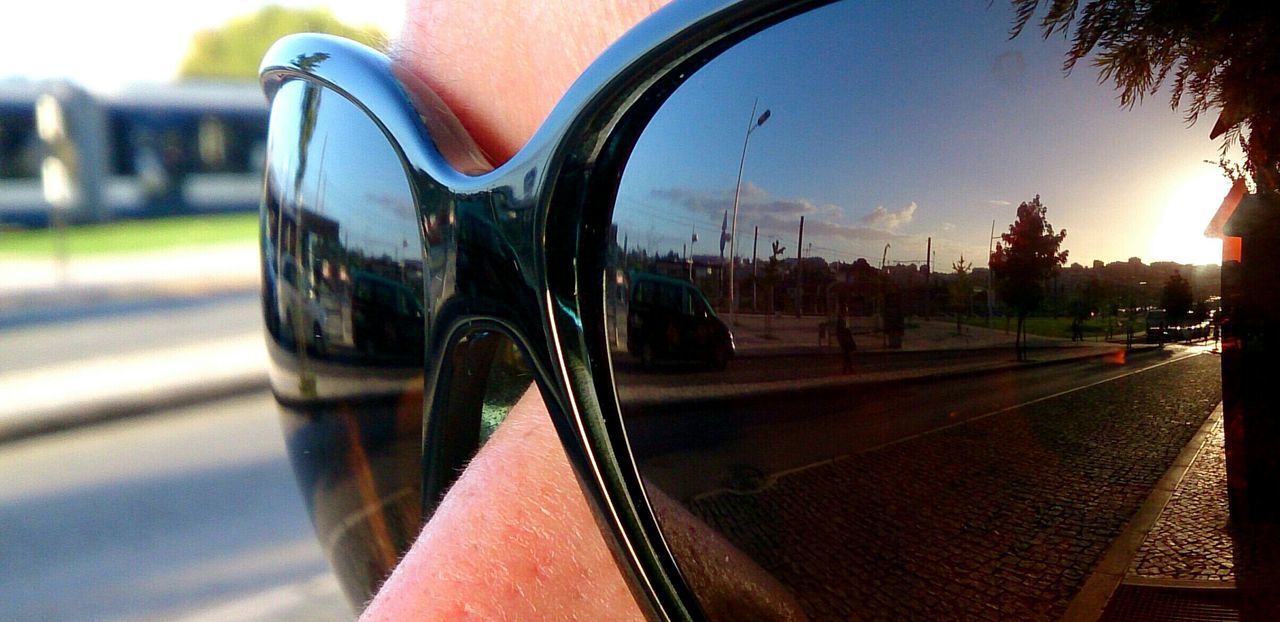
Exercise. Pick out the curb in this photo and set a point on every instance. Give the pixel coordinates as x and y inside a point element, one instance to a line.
<point>1107,576</point>
<point>784,351</point>
<point>657,395</point>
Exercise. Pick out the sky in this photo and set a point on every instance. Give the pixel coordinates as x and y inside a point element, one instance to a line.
<point>106,45</point>
<point>892,123</point>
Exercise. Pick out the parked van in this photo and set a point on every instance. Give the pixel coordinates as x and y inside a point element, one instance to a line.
<point>670,319</point>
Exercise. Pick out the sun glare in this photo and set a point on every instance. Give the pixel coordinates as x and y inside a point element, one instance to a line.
<point>1185,212</point>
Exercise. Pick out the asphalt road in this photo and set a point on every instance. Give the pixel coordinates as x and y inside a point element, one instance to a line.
<point>49,337</point>
<point>184,515</point>
<point>694,447</point>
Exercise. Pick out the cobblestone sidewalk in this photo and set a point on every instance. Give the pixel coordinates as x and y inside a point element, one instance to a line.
<point>1191,541</point>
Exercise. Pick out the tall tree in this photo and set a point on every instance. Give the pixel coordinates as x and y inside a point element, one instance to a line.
<point>234,50</point>
<point>772,278</point>
<point>1025,258</point>
<point>961,290</point>
<point>1176,299</point>
<point>1220,55</point>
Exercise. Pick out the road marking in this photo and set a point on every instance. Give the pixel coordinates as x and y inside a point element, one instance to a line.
<point>1028,403</point>
<point>772,478</point>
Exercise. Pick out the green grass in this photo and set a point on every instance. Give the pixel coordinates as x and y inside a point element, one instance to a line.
<point>133,235</point>
<point>1094,328</point>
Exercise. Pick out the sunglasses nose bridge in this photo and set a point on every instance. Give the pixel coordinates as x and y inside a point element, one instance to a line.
<point>492,273</point>
<point>486,296</point>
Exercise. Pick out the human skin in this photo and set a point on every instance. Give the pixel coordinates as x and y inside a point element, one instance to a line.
<point>514,539</point>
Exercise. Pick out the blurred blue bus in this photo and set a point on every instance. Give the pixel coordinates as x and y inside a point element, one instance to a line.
<point>148,151</point>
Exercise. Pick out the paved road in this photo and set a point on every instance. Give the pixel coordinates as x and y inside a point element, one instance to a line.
<point>985,498</point>
<point>188,514</point>
<point>740,442</point>
<point>37,338</point>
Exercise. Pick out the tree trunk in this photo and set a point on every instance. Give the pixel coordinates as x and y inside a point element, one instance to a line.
<point>1020,339</point>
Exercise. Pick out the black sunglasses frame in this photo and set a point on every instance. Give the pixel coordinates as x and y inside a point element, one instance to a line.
<point>552,206</point>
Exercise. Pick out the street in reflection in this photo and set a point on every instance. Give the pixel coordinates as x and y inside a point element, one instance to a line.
<point>847,336</point>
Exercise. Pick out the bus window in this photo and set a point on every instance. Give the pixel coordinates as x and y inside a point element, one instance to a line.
<point>19,145</point>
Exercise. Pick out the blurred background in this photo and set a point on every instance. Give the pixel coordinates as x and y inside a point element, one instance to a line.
<point>142,469</point>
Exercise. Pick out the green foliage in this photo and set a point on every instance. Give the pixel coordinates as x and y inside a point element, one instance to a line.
<point>1217,54</point>
<point>1094,328</point>
<point>1176,299</point>
<point>1025,258</point>
<point>133,235</point>
<point>235,50</point>
<point>961,290</point>
<point>773,270</point>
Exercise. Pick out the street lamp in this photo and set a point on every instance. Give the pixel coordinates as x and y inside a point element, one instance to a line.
<point>752,123</point>
<point>883,323</point>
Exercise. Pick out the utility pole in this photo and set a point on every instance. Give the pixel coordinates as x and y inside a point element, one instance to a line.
<point>990,294</point>
<point>754,284</point>
<point>928,274</point>
<point>883,277</point>
<point>800,268</point>
<point>693,239</point>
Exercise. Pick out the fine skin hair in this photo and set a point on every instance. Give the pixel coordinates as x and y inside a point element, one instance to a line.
<point>514,538</point>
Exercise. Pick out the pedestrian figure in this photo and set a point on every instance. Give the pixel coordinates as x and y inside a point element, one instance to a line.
<point>847,346</point>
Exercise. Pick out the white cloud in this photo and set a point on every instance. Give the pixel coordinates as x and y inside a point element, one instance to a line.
<point>998,203</point>
<point>757,208</point>
<point>882,218</point>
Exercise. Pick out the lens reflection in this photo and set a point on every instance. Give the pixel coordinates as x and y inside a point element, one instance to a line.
<point>815,360</point>
<point>343,284</point>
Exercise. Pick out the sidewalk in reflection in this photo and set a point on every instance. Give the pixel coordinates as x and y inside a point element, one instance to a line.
<point>788,357</point>
<point>755,334</point>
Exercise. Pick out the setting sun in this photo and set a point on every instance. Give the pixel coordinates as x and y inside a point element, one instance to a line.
<point>1185,211</point>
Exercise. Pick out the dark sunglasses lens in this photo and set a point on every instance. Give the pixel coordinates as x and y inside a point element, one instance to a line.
<point>343,299</point>
<point>815,357</point>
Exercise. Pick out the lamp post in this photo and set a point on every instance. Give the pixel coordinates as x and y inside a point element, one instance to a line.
<point>883,324</point>
<point>753,123</point>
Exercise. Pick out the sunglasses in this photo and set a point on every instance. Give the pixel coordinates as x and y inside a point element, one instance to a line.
<point>742,263</point>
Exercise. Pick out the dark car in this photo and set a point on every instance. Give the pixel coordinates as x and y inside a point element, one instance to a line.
<point>669,319</point>
<point>386,317</point>
<point>1157,327</point>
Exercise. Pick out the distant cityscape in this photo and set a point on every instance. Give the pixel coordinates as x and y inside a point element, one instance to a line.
<point>1101,288</point>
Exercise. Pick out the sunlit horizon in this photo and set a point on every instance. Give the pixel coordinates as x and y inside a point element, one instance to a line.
<point>1190,204</point>
<point>94,45</point>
